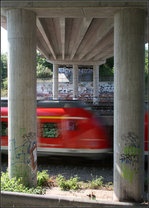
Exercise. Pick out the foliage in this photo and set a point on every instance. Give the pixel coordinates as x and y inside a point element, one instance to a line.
<point>107,69</point>
<point>44,68</point>
<point>42,61</point>
<point>5,84</point>
<point>66,185</point>
<point>42,177</point>
<point>96,183</point>
<point>14,184</point>
<point>3,69</point>
<point>43,181</point>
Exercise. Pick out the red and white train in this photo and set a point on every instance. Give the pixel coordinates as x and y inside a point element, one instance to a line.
<point>65,128</point>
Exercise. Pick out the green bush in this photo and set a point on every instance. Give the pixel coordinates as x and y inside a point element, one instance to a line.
<point>42,178</point>
<point>14,184</point>
<point>66,185</point>
<point>96,183</point>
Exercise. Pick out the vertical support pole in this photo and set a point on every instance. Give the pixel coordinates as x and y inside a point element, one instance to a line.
<point>22,145</point>
<point>75,82</point>
<point>95,84</point>
<point>55,81</point>
<point>129,43</point>
<point>148,90</point>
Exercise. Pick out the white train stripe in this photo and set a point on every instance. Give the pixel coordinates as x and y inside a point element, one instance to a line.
<point>66,150</point>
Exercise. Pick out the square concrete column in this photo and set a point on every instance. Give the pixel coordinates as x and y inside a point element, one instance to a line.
<point>95,84</point>
<point>129,48</point>
<point>22,144</point>
<point>75,82</point>
<point>55,81</point>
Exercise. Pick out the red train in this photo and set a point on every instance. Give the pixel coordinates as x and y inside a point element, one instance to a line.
<point>65,128</point>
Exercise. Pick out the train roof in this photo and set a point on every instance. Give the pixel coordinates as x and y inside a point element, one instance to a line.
<point>60,104</point>
<point>53,103</point>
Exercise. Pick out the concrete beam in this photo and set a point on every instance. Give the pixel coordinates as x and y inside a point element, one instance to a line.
<point>42,31</point>
<point>62,31</point>
<point>81,33</point>
<point>81,3</point>
<point>104,28</point>
<point>64,62</point>
<point>102,46</point>
<point>107,52</point>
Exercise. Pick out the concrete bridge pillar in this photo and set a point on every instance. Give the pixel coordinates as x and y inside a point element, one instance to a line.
<point>75,82</point>
<point>95,84</point>
<point>55,81</point>
<point>129,43</point>
<point>22,145</point>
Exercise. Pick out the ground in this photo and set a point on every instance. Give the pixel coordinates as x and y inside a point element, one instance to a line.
<point>94,194</point>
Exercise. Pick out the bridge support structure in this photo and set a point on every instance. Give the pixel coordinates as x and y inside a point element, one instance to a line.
<point>55,81</point>
<point>129,43</point>
<point>22,145</point>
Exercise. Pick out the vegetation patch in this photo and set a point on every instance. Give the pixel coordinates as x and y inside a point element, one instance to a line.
<point>14,185</point>
<point>66,185</point>
<point>44,182</point>
<point>95,183</point>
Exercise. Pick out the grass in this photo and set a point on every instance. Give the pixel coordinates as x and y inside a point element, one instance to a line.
<point>44,182</point>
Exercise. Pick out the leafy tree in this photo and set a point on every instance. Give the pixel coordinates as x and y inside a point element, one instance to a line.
<point>3,69</point>
<point>44,68</point>
<point>107,69</point>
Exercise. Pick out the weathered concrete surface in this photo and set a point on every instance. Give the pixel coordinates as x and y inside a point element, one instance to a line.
<point>129,39</point>
<point>95,84</point>
<point>13,199</point>
<point>55,81</point>
<point>22,95</point>
<point>75,82</point>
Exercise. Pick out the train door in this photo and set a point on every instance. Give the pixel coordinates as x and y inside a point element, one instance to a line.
<point>70,133</point>
<point>4,134</point>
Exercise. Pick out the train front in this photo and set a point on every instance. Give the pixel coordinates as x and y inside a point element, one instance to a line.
<point>85,134</point>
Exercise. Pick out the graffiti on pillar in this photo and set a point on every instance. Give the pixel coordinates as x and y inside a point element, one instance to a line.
<point>130,155</point>
<point>127,172</point>
<point>25,153</point>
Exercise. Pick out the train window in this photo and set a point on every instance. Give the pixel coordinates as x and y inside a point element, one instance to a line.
<point>71,125</point>
<point>50,130</point>
<point>4,129</point>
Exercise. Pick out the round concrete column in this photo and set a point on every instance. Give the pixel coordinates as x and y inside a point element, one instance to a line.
<point>75,82</point>
<point>22,145</point>
<point>95,84</point>
<point>55,81</point>
<point>129,35</point>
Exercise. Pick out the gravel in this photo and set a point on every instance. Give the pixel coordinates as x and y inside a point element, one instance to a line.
<point>85,169</point>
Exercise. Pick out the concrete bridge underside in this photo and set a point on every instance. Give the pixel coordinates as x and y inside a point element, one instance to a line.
<point>79,33</point>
